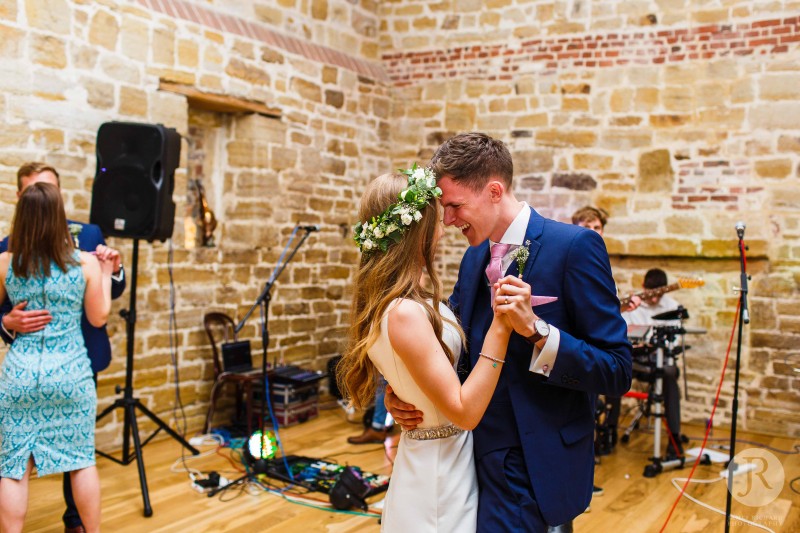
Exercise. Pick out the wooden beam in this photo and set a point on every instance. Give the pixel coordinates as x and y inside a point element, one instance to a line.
<point>218,102</point>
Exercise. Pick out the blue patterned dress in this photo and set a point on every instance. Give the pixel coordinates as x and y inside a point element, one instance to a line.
<point>48,400</point>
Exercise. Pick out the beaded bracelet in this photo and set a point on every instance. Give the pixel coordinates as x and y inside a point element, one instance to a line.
<point>490,358</point>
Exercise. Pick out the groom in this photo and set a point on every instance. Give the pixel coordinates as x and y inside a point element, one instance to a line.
<point>534,446</point>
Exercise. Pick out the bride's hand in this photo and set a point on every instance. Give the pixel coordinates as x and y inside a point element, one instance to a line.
<point>513,301</point>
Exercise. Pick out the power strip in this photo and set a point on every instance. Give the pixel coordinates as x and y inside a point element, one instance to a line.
<point>740,469</point>
<point>223,481</point>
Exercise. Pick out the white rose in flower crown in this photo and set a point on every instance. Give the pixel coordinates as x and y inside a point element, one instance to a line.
<point>368,244</point>
<point>406,219</point>
<point>378,232</point>
<point>391,228</point>
<point>417,216</point>
<point>419,173</point>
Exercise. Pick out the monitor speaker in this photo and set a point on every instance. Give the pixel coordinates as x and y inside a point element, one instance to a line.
<point>134,181</point>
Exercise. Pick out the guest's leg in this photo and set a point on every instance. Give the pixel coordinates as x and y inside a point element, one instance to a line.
<point>379,416</point>
<point>14,501</point>
<point>86,488</point>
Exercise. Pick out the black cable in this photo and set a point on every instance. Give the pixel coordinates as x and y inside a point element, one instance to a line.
<point>173,352</point>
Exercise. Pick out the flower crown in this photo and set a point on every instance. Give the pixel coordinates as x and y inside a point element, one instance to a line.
<point>388,227</point>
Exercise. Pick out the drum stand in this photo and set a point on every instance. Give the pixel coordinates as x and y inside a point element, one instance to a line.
<point>664,340</point>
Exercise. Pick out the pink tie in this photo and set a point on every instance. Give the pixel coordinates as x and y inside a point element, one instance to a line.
<point>495,269</point>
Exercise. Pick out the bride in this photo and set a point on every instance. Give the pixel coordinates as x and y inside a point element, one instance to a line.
<point>400,329</point>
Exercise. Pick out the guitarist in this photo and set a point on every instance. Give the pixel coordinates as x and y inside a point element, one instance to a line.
<point>642,316</point>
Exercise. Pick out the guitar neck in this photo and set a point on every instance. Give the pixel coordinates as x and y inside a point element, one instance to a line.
<point>649,293</point>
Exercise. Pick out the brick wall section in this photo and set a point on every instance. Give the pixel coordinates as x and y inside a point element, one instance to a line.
<point>504,61</point>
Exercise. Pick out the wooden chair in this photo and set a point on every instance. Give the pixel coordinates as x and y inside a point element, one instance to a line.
<point>220,329</point>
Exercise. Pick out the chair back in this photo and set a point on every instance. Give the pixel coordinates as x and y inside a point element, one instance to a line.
<point>220,328</point>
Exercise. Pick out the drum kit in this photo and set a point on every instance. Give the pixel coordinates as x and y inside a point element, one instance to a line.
<point>656,348</point>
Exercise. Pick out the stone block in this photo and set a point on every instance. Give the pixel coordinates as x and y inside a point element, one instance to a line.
<point>625,140</point>
<point>134,38</point>
<point>49,51</point>
<point>49,15</point>
<point>773,168</point>
<point>668,247</point>
<point>8,10</point>
<point>574,181</point>
<point>104,30</point>
<point>99,94</point>
<point>11,42</point>
<point>259,128</point>
<point>655,172</point>
<point>319,9</point>
<point>459,117</point>
<point>565,138</point>
<point>784,86</point>
<point>531,161</point>
<point>531,120</point>
<point>247,72</point>
<point>188,54</point>
<point>779,115</point>
<point>306,89</point>
<point>424,110</point>
<point>684,225</point>
<point>163,49</point>
<point>282,158</point>
<point>678,99</point>
<point>621,100</point>
<point>789,143</point>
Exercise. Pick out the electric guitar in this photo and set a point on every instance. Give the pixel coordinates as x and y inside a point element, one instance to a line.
<point>205,216</point>
<point>682,283</point>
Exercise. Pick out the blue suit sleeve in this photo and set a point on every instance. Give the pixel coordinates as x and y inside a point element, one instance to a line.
<point>594,354</point>
<point>6,306</point>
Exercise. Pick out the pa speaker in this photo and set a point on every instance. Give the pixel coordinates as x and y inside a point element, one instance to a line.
<point>134,181</point>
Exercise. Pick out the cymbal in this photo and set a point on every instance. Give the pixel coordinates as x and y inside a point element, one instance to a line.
<point>675,314</point>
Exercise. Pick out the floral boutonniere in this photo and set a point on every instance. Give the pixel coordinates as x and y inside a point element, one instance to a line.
<point>521,255</point>
<point>75,230</point>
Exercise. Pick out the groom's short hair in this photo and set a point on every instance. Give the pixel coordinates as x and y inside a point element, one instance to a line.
<point>472,159</point>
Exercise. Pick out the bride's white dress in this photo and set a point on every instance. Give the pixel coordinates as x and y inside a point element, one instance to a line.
<point>433,485</point>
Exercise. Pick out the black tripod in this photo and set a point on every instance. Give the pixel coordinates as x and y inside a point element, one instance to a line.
<point>263,300</point>
<point>129,404</point>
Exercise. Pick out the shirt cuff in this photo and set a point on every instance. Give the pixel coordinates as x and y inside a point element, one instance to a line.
<point>119,276</point>
<point>13,335</point>
<point>543,359</point>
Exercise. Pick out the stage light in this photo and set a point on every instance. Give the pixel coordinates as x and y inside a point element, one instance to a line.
<point>267,450</point>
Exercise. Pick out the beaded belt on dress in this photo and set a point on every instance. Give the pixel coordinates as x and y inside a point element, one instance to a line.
<point>441,432</point>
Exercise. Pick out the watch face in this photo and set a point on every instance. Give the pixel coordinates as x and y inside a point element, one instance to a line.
<point>542,328</point>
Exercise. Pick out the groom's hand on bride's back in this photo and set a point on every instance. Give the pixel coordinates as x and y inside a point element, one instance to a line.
<point>403,413</point>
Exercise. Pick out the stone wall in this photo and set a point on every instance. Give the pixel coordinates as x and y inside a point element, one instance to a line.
<point>678,118</point>
<point>67,67</point>
<point>675,116</point>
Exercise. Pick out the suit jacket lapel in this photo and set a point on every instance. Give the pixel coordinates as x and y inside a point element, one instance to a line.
<point>535,228</point>
<point>473,277</point>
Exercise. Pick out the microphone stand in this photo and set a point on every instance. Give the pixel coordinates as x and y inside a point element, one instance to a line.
<point>744,318</point>
<point>263,300</point>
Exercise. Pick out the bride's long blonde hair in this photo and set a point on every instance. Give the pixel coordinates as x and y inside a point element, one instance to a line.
<point>384,276</point>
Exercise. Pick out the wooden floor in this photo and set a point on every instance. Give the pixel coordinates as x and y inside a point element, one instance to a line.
<point>631,503</point>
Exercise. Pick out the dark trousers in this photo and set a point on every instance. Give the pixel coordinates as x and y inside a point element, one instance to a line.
<point>506,501</point>
<point>71,517</point>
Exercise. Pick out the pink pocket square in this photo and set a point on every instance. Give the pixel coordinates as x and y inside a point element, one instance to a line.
<point>539,300</point>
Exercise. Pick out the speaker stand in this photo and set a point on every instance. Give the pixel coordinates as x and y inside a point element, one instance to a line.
<point>129,404</point>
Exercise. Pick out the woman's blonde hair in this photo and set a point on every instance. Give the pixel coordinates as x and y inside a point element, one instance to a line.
<point>385,276</point>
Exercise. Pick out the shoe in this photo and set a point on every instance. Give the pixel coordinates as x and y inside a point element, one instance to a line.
<point>351,413</point>
<point>597,491</point>
<point>77,529</point>
<point>370,436</point>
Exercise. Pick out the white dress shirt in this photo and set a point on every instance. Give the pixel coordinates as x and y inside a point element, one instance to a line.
<point>543,359</point>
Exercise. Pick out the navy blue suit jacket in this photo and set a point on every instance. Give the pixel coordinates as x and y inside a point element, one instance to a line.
<point>97,343</point>
<point>554,416</point>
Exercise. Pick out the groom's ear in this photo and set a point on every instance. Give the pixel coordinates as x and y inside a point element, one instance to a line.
<point>496,190</point>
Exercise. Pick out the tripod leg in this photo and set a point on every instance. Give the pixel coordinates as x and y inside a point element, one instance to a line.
<point>137,448</point>
<point>165,427</point>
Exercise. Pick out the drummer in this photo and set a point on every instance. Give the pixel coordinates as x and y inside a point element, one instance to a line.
<point>643,316</point>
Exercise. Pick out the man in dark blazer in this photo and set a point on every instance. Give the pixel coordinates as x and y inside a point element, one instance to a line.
<point>16,319</point>
<point>534,446</point>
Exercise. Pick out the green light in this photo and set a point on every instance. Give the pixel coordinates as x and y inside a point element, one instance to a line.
<point>270,445</point>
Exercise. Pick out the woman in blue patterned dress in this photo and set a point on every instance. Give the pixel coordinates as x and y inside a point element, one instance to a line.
<point>47,396</point>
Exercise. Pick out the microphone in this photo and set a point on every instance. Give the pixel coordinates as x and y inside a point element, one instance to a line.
<point>740,226</point>
<point>310,228</point>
